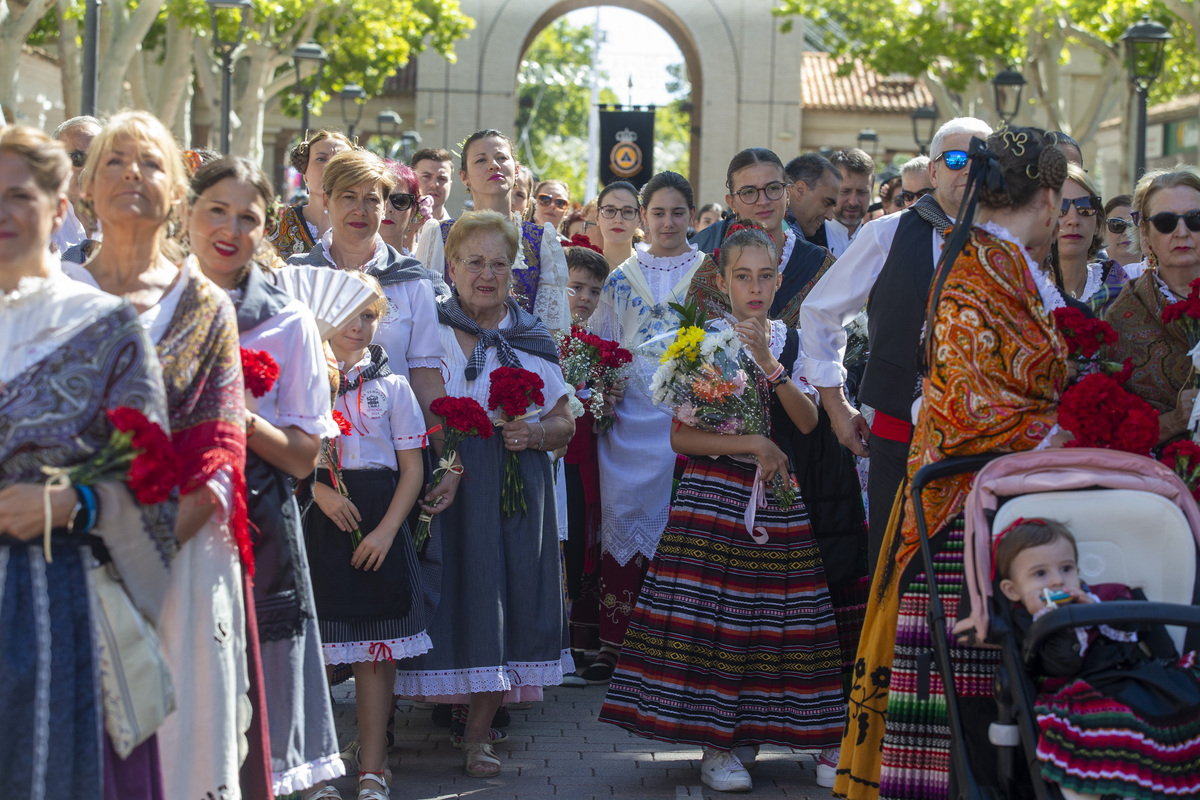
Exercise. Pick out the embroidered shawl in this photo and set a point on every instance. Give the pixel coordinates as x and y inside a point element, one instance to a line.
<point>1161,366</point>
<point>202,372</point>
<point>292,237</point>
<point>999,368</point>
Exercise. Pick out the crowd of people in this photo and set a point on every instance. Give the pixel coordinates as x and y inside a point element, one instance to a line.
<point>212,499</point>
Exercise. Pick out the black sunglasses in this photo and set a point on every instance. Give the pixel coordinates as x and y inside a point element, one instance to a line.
<point>1117,225</point>
<point>547,200</point>
<point>78,158</point>
<point>1166,222</point>
<point>1087,206</point>
<point>904,198</point>
<point>402,201</point>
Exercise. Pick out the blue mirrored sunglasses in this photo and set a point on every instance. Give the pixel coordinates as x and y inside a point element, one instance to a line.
<point>955,159</point>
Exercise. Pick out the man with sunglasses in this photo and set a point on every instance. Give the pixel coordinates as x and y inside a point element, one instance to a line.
<point>76,134</point>
<point>914,182</point>
<point>889,267</point>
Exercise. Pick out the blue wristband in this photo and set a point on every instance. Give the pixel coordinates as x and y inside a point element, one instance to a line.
<point>89,501</point>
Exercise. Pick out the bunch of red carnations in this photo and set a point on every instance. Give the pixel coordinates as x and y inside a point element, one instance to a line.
<point>517,394</point>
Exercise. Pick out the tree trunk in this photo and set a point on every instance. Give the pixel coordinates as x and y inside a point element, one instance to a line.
<point>69,59</point>
<point>259,64</point>
<point>128,33</point>
<point>15,27</point>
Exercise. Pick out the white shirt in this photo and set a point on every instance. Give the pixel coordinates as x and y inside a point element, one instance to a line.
<point>385,417</point>
<point>841,294</point>
<point>70,233</point>
<point>838,237</point>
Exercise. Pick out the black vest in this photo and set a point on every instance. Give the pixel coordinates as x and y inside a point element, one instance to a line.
<point>894,322</point>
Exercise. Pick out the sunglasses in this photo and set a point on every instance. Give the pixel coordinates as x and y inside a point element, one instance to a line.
<point>1166,222</point>
<point>78,158</point>
<point>547,200</point>
<point>955,159</point>
<point>904,198</point>
<point>402,201</point>
<point>1117,225</point>
<point>1087,206</point>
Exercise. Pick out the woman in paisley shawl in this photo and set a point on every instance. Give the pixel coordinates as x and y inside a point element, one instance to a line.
<point>539,278</point>
<point>301,228</point>
<point>228,201</point>
<point>70,354</point>
<point>1162,370</point>
<point>135,179</point>
<point>1096,283</point>
<point>995,368</point>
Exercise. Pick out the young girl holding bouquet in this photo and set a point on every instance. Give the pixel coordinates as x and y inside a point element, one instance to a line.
<point>364,567</point>
<point>733,642</point>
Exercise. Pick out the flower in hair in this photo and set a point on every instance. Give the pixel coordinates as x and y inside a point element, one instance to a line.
<point>581,240</point>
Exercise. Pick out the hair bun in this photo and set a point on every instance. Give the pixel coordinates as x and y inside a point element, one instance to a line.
<point>1052,168</point>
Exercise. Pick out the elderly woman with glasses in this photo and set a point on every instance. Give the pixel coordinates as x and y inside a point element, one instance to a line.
<point>1166,208</point>
<point>1080,275</point>
<point>500,626</point>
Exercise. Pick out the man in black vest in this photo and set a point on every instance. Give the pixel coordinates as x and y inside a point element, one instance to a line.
<point>889,266</point>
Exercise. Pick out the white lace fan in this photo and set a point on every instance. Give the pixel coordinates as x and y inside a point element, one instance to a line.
<point>333,296</point>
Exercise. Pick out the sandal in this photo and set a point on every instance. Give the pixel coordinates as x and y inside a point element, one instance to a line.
<point>494,736</point>
<point>479,760</point>
<point>324,793</point>
<point>380,780</point>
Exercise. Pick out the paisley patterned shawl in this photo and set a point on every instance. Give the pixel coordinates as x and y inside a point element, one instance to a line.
<point>292,236</point>
<point>1161,367</point>
<point>202,372</point>
<point>53,415</point>
<point>524,281</point>
<point>1000,366</point>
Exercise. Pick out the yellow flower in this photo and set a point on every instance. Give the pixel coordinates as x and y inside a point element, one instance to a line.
<point>686,345</point>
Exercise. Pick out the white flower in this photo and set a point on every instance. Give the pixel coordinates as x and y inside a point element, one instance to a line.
<point>574,406</point>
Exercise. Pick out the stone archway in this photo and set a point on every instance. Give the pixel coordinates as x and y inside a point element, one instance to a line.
<point>745,76</point>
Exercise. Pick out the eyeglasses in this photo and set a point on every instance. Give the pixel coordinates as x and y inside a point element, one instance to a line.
<point>402,201</point>
<point>955,159</point>
<point>1087,206</point>
<point>548,200</point>
<point>78,158</point>
<point>749,194</point>
<point>1117,225</point>
<point>476,266</point>
<point>610,212</point>
<point>1166,222</point>
<point>904,198</point>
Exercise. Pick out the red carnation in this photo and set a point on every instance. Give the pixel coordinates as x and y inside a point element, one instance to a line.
<point>344,426</point>
<point>259,371</point>
<point>1183,457</point>
<point>514,390</point>
<point>580,240</point>
<point>1100,413</point>
<point>1084,335</point>
<point>461,417</point>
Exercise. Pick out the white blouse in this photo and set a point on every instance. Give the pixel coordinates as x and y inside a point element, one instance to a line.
<point>457,384</point>
<point>385,417</point>
<point>300,396</point>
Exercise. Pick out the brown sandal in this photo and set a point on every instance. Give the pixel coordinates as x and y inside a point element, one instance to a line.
<point>479,760</point>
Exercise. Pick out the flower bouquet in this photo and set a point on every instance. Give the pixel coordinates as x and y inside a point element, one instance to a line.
<point>1185,315</point>
<point>259,371</point>
<point>138,452</point>
<point>331,454</point>
<point>595,367</point>
<point>461,417</point>
<point>709,382</point>
<point>1183,456</point>
<point>517,394</point>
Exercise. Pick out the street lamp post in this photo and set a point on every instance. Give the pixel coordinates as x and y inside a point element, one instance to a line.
<point>309,59</point>
<point>409,142</point>
<point>1145,43</point>
<point>388,125</point>
<point>91,57</point>
<point>1006,90</point>
<point>358,97</point>
<point>225,48</point>
<point>924,123</point>
<point>868,142</point>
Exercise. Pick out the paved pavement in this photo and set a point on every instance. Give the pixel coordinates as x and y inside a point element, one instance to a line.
<point>557,748</point>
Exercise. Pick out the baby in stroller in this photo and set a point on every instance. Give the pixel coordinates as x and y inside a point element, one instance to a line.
<point>1113,720</point>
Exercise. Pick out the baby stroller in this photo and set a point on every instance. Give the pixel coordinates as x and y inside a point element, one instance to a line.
<point>1135,523</point>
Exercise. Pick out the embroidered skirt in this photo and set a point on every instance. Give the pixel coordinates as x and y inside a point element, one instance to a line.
<point>731,642</point>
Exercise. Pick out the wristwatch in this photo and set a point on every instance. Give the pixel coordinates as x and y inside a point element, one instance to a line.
<point>77,520</point>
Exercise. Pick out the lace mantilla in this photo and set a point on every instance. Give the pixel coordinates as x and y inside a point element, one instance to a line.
<point>439,683</point>
<point>1095,276</point>
<point>1051,297</point>
<point>297,779</point>
<point>355,652</point>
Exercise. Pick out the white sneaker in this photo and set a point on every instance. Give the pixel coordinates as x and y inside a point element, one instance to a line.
<point>721,770</point>
<point>827,763</point>
<point>747,754</point>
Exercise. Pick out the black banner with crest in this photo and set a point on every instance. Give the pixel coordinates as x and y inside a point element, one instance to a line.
<point>626,146</point>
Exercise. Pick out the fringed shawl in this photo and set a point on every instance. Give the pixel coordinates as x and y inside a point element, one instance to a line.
<point>202,372</point>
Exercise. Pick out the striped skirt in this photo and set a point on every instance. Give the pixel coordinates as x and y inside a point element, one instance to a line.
<point>732,642</point>
<point>1095,744</point>
<point>916,744</point>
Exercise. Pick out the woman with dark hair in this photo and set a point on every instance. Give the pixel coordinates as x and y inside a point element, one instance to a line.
<point>636,462</point>
<point>301,228</point>
<point>135,180</point>
<point>539,279</point>
<point>396,226</point>
<point>617,221</point>
<point>757,187</point>
<point>706,215</point>
<point>71,353</point>
<point>228,201</point>
<point>1080,225</point>
<point>1121,241</point>
<point>551,201</point>
<point>978,397</point>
